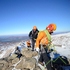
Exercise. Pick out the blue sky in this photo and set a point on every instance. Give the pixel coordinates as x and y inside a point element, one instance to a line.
<point>19,16</point>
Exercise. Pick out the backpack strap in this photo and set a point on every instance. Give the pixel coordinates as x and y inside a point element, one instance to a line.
<point>48,35</point>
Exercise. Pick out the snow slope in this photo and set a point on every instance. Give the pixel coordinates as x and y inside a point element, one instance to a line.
<point>62,43</point>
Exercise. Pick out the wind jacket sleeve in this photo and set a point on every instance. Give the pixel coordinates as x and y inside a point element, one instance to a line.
<point>30,34</point>
<point>39,38</point>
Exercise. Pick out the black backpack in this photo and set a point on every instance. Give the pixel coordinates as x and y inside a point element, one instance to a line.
<point>60,63</point>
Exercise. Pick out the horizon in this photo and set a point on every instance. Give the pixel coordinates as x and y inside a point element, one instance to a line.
<point>27,34</point>
<point>19,16</point>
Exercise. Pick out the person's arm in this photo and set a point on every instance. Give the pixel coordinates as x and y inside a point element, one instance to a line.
<point>30,34</point>
<point>37,31</point>
<point>39,38</point>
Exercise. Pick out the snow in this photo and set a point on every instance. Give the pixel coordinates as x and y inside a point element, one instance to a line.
<point>9,50</point>
<point>63,51</point>
<point>62,44</point>
<point>3,53</point>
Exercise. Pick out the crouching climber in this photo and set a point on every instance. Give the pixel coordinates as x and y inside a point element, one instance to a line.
<point>18,51</point>
<point>28,44</point>
<point>44,39</point>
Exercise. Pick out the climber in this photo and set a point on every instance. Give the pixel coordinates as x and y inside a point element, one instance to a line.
<point>28,44</point>
<point>18,51</point>
<point>44,39</point>
<point>33,35</point>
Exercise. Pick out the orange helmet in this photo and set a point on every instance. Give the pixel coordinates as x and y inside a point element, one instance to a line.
<point>34,27</point>
<point>52,27</point>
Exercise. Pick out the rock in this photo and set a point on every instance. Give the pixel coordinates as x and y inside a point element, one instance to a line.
<point>25,69</point>
<point>23,50</point>
<point>37,68</point>
<point>13,56</point>
<point>10,68</point>
<point>34,53</point>
<point>10,64</point>
<point>15,60</point>
<point>4,68</point>
<point>1,66</point>
<point>28,53</point>
<point>4,63</point>
<point>19,66</point>
<point>28,63</point>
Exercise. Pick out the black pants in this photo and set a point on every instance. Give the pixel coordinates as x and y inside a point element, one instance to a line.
<point>33,44</point>
<point>44,58</point>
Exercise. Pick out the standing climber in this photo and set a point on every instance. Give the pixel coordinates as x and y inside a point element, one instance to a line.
<point>33,36</point>
<point>44,39</point>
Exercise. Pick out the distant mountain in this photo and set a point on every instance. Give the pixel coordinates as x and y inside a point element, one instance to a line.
<point>13,38</point>
<point>60,32</point>
<point>16,38</point>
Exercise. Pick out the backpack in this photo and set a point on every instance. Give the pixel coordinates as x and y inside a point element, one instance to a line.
<point>67,67</point>
<point>61,63</point>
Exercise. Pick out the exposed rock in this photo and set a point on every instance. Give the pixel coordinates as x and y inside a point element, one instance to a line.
<point>4,68</point>
<point>24,49</point>
<point>4,63</point>
<point>10,68</point>
<point>1,66</point>
<point>37,68</point>
<point>13,56</point>
<point>25,69</point>
<point>28,53</point>
<point>34,53</point>
<point>10,64</point>
<point>15,60</point>
<point>19,65</point>
<point>28,63</point>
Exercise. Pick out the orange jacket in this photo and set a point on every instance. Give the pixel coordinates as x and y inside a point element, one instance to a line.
<point>28,43</point>
<point>43,38</point>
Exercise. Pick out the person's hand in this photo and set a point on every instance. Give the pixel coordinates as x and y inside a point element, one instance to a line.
<point>37,49</point>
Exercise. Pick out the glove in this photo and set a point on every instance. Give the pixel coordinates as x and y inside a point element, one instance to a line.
<point>37,49</point>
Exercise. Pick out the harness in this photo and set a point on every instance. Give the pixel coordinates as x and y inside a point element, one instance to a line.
<point>48,35</point>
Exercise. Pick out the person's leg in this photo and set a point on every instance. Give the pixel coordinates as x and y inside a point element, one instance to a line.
<point>33,43</point>
<point>47,61</point>
<point>41,59</point>
<point>44,58</point>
